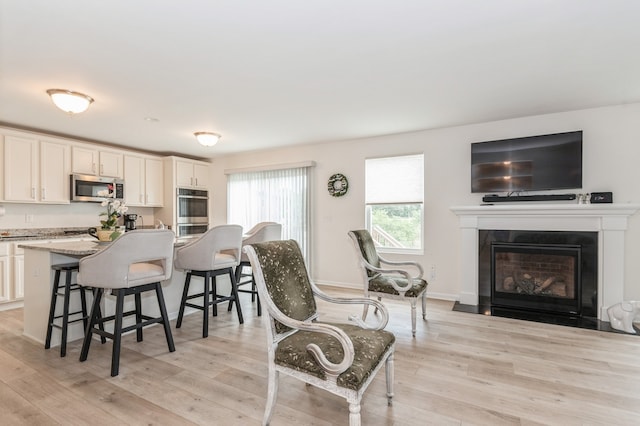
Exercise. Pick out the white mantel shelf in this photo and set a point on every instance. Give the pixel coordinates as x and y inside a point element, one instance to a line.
<point>609,220</point>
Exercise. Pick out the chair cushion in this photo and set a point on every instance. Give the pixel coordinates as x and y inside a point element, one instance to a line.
<point>369,346</point>
<point>224,260</point>
<point>145,273</point>
<point>382,284</point>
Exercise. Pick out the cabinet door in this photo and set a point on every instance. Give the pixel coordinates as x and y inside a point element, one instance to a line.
<point>54,173</point>
<point>84,160</point>
<point>154,182</point>
<point>20,165</point>
<point>200,175</point>
<point>18,277</point>
<point>111,164</point>
<point>5,279</point>
<point>184,173</point>
<point>134,180</point>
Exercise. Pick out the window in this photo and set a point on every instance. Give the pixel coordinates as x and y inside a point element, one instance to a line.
<point>271,196</point>
<point>394,202</point>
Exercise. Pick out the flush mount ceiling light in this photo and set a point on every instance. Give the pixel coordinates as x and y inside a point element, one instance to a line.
<point>207,138</point>
<point>69,101</point>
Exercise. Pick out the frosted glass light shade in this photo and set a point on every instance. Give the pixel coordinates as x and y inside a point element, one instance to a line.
<point>69,101</point>
<point>207,138</point>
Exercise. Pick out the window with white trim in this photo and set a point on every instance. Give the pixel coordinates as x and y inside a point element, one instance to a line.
<point>394,202</point>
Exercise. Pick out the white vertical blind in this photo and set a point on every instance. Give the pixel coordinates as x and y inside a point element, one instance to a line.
<point>272,196</point>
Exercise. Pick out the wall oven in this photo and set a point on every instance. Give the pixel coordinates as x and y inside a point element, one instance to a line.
<point>192,212</point>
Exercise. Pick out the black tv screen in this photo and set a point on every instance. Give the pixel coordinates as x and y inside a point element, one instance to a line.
<point>533,163</point>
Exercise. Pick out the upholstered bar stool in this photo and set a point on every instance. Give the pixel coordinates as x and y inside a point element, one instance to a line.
<point>135,263</point>
<point>262,232</point>
<point>216,252</point>
<point>63,320</point>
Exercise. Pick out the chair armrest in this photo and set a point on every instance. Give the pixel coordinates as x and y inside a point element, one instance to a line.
<point>331,369</point>
<point>382,320</point>
<point>404,263</point>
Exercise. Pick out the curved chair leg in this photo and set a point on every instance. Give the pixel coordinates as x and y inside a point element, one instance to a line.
<point>390,377</point>
<point>272,394</point>
<point>424,305</point>
<point>354,413</point>
<point>413,316</point>
<point>365,310</point>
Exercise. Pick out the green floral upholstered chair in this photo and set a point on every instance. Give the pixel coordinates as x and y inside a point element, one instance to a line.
<point>340,358</point>
<point>394,282</point>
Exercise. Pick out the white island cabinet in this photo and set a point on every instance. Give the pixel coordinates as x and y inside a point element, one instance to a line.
<point>38,282</point>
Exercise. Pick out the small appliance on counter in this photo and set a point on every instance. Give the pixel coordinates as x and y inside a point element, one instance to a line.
<point>130,221</point>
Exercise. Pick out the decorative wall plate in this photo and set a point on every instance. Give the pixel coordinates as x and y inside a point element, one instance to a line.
<point>338,185</point>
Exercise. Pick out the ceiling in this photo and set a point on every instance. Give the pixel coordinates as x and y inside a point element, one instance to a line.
<point>282,72</point>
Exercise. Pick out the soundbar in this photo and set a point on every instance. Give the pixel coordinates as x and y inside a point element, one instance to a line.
<point>543,197</point>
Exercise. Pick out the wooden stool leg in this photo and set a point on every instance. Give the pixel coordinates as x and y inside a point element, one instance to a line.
<point>138,301</point>
<point>52,308</point>
<point>65,313</point>
<point>234,292</point>
<point>183,302</point>
<point>205,305</point>
<point>165,318</point>
<point>93,317</point>
<point>117,333</point>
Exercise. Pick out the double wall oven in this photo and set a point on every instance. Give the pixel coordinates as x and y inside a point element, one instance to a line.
<point>192,212</point>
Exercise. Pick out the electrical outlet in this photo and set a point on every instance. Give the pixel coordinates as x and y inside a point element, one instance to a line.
<point>432,273</point>
<point>28,218</point>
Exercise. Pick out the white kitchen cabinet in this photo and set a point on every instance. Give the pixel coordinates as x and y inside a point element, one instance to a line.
<point>5,276</point>
<point>191,174</point>
<point>91,161</point>
<point>144,179</point>
<point>35,171</point>
<point>18,276</point>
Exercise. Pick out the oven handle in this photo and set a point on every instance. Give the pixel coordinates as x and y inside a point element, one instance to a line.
<point>198,197</point>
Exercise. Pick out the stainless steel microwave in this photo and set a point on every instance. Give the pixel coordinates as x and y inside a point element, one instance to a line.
<point>87,187</point>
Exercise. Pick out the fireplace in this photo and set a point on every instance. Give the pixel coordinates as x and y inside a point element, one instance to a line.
<point>547,272</point>
<point>604,277</point>
<point>535,276</point>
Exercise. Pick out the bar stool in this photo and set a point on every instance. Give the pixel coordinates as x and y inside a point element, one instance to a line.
<point>134,263</point>
<point>216,252</point>
<point>65,291</point>
<point>262,232</point>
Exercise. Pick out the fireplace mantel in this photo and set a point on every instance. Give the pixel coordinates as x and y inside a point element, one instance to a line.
<point>609,220</point>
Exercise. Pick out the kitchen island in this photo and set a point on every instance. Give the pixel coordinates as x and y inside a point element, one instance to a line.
<point>38,259</point>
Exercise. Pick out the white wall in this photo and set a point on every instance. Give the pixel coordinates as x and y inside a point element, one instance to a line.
<point>611,151</point>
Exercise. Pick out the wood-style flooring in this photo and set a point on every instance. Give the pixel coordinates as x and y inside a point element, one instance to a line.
<point>461,369</point>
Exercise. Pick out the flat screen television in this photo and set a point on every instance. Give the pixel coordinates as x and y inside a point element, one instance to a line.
<point>533,163</point>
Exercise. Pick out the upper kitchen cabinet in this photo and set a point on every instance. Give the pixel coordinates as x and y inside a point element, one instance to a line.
<point>90,161</point>
<point>144,179</point>
<point>191,173</point>
<point>35,171</point>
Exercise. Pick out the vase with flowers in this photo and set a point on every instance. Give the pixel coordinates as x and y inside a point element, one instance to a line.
<point>115,208</point>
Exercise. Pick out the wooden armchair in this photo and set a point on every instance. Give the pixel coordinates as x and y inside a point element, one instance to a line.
<point>340,358</point>
<point>387,278</point>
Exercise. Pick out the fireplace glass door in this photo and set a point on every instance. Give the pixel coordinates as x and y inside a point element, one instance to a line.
<point>536,277</point>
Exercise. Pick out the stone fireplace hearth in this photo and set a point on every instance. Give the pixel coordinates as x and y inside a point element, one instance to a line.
<point>605,222</point>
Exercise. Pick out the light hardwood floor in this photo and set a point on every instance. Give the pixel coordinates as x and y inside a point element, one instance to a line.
<point>461,369</point>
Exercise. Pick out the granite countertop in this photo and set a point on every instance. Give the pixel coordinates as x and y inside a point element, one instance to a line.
<point>41,233</point>
<point>77,248</point>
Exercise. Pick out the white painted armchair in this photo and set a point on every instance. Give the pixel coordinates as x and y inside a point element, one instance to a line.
<point>340,358</point>
<point>387,278</point>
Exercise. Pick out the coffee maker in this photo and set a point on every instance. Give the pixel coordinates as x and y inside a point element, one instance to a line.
<point>130,221</point>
